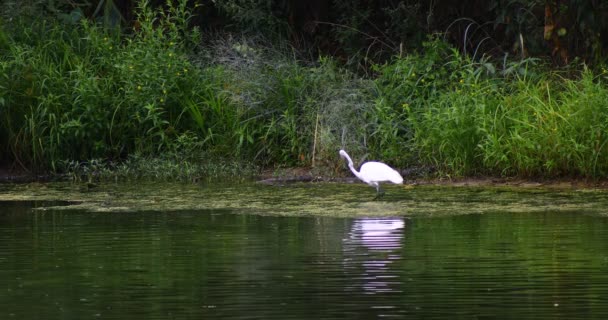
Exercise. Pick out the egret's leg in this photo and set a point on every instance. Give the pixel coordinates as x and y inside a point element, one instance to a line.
<point>379,192</point>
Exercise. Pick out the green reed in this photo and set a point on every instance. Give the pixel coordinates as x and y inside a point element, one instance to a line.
<point>552,127</point>
<point>465,118</point>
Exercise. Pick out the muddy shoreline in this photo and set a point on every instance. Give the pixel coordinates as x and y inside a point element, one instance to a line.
<point>295,175</point>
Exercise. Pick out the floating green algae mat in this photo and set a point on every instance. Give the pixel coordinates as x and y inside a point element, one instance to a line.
<point>319,199</point>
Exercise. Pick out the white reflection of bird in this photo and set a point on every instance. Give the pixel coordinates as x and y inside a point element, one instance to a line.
<point>373,173</point>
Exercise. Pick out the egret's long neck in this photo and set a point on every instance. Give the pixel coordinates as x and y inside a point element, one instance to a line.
<point>350,165</point>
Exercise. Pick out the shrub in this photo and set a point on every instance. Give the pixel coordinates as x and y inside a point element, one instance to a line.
<point>83,92</point>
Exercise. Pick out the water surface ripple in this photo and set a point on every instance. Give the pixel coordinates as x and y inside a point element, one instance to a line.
<point>137,253</point>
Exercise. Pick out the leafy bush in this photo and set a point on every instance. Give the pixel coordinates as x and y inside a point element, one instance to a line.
<point>290,110</point>
<point>83,92</point>
<point>414,108</point>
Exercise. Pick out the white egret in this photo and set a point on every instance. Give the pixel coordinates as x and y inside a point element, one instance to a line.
<point>373,173</point>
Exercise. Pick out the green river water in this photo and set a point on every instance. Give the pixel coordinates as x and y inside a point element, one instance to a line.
<point>301,251</point>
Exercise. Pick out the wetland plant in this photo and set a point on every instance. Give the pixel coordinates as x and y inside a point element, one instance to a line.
<point>72,93</point>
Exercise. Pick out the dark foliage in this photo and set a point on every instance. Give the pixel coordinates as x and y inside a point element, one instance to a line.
<point>363,31</point>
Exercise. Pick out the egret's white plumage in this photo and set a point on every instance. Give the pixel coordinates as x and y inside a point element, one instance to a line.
<point>373,172</point>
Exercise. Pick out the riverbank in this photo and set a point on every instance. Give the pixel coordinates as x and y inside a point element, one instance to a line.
<point>8,174</point>
<point>306,175</point>
<point>286,176</point>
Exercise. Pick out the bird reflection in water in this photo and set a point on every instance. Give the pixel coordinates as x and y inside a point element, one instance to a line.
<point>373,245</point>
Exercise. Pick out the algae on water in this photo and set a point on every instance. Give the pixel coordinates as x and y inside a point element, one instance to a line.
<point>319,199</point>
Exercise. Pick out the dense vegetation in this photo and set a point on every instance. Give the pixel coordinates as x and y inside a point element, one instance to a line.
<point>167,99</point>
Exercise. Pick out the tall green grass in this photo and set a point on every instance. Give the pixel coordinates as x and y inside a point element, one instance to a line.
<point>466,118</point>
<point>553,127</point>
<point>165,95</point>
<point>82,92</point>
